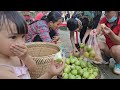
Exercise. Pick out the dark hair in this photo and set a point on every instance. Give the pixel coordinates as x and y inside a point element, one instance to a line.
<point>53,16</point>
<point>109,11</point>
<point>6,17</point>
<point>72,24</point>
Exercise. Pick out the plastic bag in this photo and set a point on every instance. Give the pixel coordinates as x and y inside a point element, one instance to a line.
<point>92,50</point>
<point>89,49</point>
<point>98,57</point>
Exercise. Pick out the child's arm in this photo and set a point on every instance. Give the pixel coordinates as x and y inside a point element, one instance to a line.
<point>55,69</point>
<point>29,62</point>
<point>21,52</point>
<point>86,34</point>
<point>73,41</point>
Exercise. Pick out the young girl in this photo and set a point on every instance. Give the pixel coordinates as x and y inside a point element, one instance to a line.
<point>14,59</point>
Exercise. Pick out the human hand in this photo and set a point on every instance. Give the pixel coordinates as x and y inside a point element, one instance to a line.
<point>93,32</point>
<point>56,38</point>
<point>75,50</point>
<point>56,68</point>
<point>19,50</point>
<point>106,30</point>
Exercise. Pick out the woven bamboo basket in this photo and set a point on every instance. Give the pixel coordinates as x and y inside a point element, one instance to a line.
<point>42,53</point>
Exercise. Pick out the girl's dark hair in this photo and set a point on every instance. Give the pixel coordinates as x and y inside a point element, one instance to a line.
<point>72,24</point>
<point>6,17</point>
<point>53,16</point>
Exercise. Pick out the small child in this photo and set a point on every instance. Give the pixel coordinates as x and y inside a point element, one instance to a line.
<point>14,59</point>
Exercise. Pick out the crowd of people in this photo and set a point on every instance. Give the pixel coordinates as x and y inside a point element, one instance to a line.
<point>15,32</point>
<point>90,21</point>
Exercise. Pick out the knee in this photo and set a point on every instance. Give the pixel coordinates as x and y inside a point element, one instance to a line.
<point>101,46</point>
<point>115,50</point>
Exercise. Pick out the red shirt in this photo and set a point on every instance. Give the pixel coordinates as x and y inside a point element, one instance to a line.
<point>115,29</point>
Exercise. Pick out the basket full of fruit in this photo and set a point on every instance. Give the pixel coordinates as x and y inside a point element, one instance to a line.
<point>78,68</point>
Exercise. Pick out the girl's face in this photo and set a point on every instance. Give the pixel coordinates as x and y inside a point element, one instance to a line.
<point>7,38</point>
<point>55,25</point>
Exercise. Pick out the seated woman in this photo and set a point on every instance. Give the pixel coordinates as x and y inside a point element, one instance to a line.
<point>42,30</point>
<point>111,31</point>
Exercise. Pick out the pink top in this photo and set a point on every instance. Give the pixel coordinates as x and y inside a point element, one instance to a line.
<point>21,71</point>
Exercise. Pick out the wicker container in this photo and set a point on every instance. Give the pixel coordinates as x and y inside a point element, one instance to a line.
<point>42,53</point>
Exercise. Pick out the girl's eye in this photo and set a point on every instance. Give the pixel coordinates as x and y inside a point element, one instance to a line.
<point>13,37</point>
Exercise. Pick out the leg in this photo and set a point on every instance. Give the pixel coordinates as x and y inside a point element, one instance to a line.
<point>104,52</point>
<point>116,55</point>
<point>115,52</point>
<point>104,48</point>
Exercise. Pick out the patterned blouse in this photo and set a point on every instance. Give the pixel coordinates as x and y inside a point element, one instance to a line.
<point>39,28</point>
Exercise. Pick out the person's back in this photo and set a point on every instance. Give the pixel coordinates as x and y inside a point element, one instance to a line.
<point>40,30</point>
<point>89,14</point>
<point>34,31</point>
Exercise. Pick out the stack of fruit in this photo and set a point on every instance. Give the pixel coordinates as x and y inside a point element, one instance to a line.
<point>77,68</point>
<point>88,51</point>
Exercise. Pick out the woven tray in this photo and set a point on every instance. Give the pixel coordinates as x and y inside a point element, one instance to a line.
<point>42,53</point>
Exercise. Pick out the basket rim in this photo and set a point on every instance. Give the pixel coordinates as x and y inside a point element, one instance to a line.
<point>47,43</point>
<point>35,43</point>
<point>44,56</point>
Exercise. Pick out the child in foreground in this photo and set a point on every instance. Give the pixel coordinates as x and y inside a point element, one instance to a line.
<point>15,63</point>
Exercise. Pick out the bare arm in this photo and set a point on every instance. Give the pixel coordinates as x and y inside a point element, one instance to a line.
<point>72,40</point>
<point>21,52</point>
<point>114,37</point>
<point>98,30</point>
<point>85,36</point>
<point>30,63</point>
<point>55,69</point>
